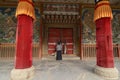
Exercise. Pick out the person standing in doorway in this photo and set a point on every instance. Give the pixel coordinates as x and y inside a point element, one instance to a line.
<point>59,50</point>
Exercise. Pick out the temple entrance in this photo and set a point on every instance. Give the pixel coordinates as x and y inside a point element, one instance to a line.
<point>63,34</point>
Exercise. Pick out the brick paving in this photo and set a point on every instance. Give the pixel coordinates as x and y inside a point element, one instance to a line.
<point>66,69</point>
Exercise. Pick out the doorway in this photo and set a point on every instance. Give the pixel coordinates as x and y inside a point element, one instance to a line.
<point>63,34</point>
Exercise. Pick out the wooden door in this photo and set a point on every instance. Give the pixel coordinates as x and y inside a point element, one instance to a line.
<point>63,34</point>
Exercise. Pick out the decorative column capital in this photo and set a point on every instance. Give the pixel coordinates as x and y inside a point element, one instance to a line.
<point>25,7</point>
<point>96,1</point>
<point>102,9</point>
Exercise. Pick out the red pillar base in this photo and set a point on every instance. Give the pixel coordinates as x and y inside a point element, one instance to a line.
<point>107,73</point>
<point>22,74</point>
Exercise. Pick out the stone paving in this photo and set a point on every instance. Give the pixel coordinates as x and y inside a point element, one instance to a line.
<point>58,70</point>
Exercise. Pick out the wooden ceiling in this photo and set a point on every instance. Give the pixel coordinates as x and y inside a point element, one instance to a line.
<point>60,11</point>
<point>116,2</point>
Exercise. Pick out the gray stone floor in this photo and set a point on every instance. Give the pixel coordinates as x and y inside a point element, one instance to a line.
<point>66,69</point>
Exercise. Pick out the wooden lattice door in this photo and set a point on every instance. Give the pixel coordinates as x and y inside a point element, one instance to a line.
<point>63,34</point>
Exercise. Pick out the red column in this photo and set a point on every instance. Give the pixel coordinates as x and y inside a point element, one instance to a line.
<point>104,43</point>
<point>105,59</point>
<point>23,60</point>
<point>24,42</point>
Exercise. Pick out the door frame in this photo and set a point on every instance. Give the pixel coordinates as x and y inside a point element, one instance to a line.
<point>75,36</point>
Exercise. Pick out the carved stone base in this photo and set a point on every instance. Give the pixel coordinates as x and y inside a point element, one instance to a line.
<point>22,74</point>
<point>107,73</point>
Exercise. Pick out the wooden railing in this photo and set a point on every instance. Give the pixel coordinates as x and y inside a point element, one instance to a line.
<point>89,51</point>
<point>7,50</point>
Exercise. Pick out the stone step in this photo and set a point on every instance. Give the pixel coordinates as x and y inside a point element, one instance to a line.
<point>64,57</point>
